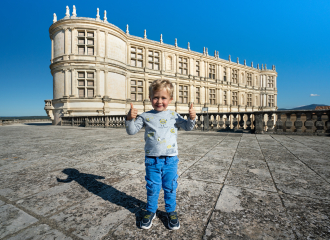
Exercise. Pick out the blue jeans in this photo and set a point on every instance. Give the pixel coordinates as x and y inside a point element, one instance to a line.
<point>161,172</point>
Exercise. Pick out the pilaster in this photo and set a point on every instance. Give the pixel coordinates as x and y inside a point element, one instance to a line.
<point>66,84</point>
<point>106,84</point>
<point>98,92</point>
<point>73,83</point>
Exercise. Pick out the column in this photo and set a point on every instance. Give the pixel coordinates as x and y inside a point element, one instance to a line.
<point>98,94</point>
<point>106,34</point>
<point>177,63</point>
<point>66,80</point>
<point>275,100</point>
<point>73,83</point>
<point>98,43</point>
<point>146,87</point>
<point>73,37</point>
<point>52,51</point>
<point>191,93</point>
<point>66,41</point>
<point>228,74</point>
<point>106,84</point>
<point>145,60</point>
<point>275,82</point>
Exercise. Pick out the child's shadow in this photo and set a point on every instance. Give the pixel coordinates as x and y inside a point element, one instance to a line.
<point>108,193</point>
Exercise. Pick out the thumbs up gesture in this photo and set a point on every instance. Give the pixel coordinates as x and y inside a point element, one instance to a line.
<point>192,112</point>
<point>132,113</point>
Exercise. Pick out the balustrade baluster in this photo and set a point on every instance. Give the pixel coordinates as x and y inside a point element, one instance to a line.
<point>319,123</point>
<point>235,122</point>
<point>270,122</point>
<point>221,122</point>
<point>248,122</point>
<point>288,123</point>
<point>328,123</point>
<point>241,122</point>
<point>298,123</point>
<point>309,124</point>
<point>227,122</point>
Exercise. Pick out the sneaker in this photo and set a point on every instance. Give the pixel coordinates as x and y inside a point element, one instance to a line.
<point>146,221</point>
<point>173,221</point>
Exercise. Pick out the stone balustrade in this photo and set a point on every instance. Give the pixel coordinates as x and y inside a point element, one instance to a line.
<point>309,122</point>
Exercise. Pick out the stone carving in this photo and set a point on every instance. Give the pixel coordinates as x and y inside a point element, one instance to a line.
<point>237,61</point>
<point>127,31</point>
<point>176,43</point>
<point>161,38</point>
<point>229,58</point>
<point>244,62</point>
<point>207,52</point>
<point>258,66</point>
<point>67,13</point>
<point>188,46</point>
<point>105,19</point>
<point>204,51</point>
<point>265,66</point>
<point>251,64</point>
<point>215,53</point>
<point>98,14</point>
<point>54,18</point>
<point>145,34</point>
<point>74,12</point>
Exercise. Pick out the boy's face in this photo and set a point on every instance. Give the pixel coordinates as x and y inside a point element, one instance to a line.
<point>160,100</point>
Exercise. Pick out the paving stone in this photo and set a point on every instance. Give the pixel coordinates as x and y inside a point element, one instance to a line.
<point>310,216</point>
<point>252,174</point>
<point>55,199</point>
<point>209,168</point>
<point>40,232</point>
<point>248,214</point>
<point>13,219</point>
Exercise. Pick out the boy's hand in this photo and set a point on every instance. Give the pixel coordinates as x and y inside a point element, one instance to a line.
<point>192,112</point>
<point>132,113</point>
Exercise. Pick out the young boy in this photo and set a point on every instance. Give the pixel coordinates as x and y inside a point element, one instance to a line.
<point>161,161</point>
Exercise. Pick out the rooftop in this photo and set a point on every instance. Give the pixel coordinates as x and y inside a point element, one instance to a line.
<point>87,183</point>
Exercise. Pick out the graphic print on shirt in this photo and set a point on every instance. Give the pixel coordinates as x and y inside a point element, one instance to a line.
<point>172,130</point>
<point>148,119</point>
<point>170,149</point>
<point>161,141</point>
<point>163,123</point>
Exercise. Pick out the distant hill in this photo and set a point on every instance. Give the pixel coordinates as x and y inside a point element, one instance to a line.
<point>307,107</point>
<point>25,117</point>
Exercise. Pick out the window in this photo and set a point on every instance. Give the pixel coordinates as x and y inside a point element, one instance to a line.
<point>249,100</point>
<point>136,57</point>
<point>270,81</point>
<point>224,74</point>
<point>183,94</point>
<point>183,65</point>
<point>234,98</point>
<point>136,90</point>
<point>198,95</point>
<point>212,71</point>
<point>153,60</point>
<point>197,69</point>
<point>212,96</point>
<point>85,42</point>
<point>249,79</point>
<point>225,98</point>
<point>234,77</point>
<point>270,100</point>
<point>85,84</point>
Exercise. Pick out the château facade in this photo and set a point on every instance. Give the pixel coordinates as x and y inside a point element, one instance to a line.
<point>98,69</point>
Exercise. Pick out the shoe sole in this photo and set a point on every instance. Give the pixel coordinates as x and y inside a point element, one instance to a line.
<point>143,227</point>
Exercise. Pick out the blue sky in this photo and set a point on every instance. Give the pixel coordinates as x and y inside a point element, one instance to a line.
<point>293,35</point>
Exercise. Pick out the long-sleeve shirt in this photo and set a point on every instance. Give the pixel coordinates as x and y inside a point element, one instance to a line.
<point>161,130</point>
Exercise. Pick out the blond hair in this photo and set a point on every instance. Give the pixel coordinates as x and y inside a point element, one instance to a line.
<point>160,84</point>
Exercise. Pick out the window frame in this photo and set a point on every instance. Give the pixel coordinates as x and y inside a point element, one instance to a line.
<point>234,77</point>
<point>198,95</point>
<point>212,96</point>
<point>249,100</point>
<point>249,79</point>
<point>86,38</point>
<point>212,71</point>
<point>271,101</point>
<point>234,97</point>
<point>87,88</point>
<point>198,69</point>
<point>136,58</point>
<point>181,64</point>
<point>153,57</point>
<point>183,90</point>
<point>136,86</point>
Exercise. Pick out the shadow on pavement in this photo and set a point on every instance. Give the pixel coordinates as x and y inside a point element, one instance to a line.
<point>38,124</point>
<point>108,193</point>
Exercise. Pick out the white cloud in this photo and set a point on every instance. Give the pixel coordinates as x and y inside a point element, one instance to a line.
<point>314,95</point>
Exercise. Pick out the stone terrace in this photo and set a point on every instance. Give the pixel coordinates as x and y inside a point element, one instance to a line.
<point>84,183</point>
